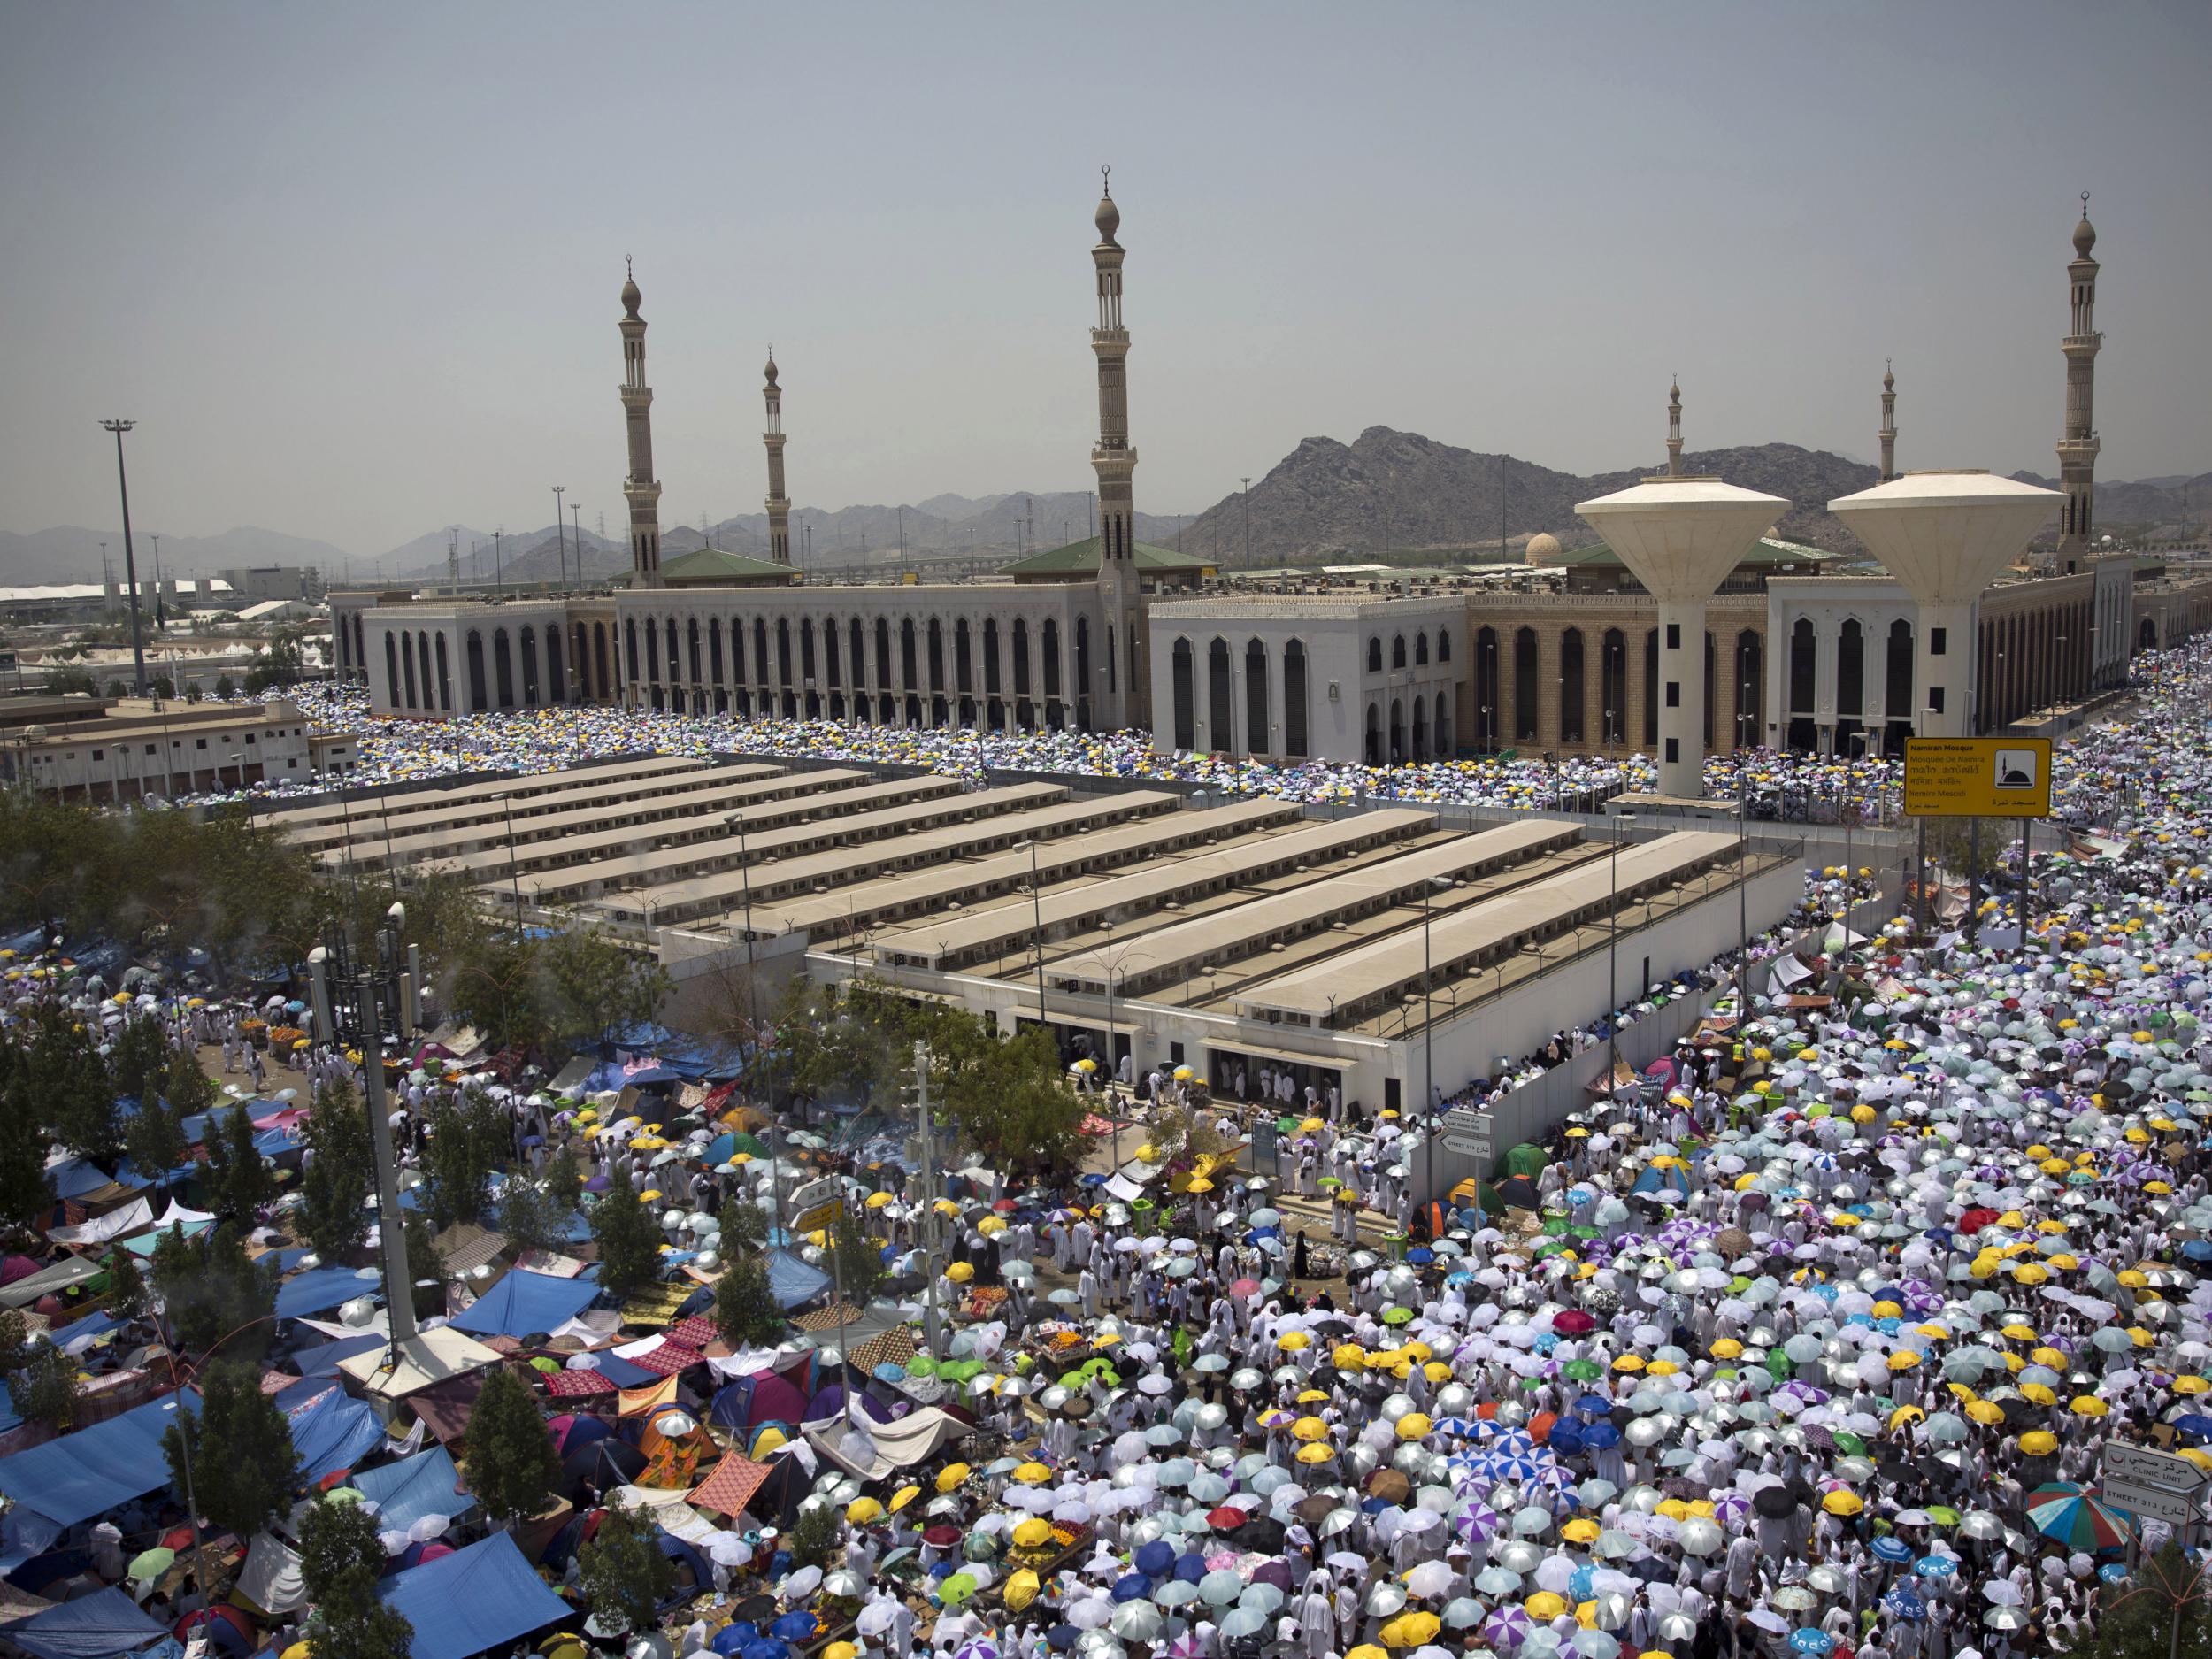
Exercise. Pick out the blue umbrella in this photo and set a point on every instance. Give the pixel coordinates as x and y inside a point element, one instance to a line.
<point>1135,1587</point>
<point>1598,1436</point>
<point>1597,1405</point>
<point>731,1638</point>
<point>2197,1423</point>
<point>1892,1549</point>
<point>1063,1637</point>
<point>1936,1567</point>
<point>1155,1557</point>
<point>2112,1572</point>
<point>793,1627</point>
<point>1906,1605</point>
<point>1812,1640</point>
<point>767,1649</point>
<point>1190,1569</point>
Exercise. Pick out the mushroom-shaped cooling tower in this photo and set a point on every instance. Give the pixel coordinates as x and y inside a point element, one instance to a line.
<point>1946,535</point>
<point>1680,537</point>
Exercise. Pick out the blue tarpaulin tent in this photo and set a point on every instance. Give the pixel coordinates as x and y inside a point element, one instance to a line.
<point>480,1597</point>
<point>333,1432</point>
<point>73,1178</point>
<point>523,1303</point>
<point>792,1280</point>
<point>323,1361</point>
<point>413,1487</point>
<point>95,1626</point>
<point>321,1287</point>
<point>89,1472</point>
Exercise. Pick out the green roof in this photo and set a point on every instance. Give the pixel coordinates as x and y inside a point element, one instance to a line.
<point>1765,553</point>
<point>1080,559</point>
<point>713,564</point>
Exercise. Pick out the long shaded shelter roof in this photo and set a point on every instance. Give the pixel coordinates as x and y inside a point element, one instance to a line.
<point>949,941</point>
<point>1381,968</point>
<point>1168,953</point>
<point>619,777</point>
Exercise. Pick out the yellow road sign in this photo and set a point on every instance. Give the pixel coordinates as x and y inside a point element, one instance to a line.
<point>1977,777</point>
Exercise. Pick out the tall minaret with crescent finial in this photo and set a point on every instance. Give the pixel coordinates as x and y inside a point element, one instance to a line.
<point>1888,434</point>
<point>1674,427</point>
<point>779,504</point>
<point>2077,449</point>
<point>639,487</point>
<point>1123,701</point>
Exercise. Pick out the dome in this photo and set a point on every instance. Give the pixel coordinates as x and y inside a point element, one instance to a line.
<point>1542,546</point>
<point>2084,233</point>
<point>631,297</point>
<point>771,370</point>
<point>1108,218</point>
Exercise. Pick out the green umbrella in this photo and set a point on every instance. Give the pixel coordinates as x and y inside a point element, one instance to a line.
<point>152,1563</point>
<point>1583,1370</point>
<point>958,1587</point>
<point>545,1365</point>
<point>747,1144</point>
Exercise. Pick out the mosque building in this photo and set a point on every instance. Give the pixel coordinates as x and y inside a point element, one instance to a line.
<point>1802,649</point>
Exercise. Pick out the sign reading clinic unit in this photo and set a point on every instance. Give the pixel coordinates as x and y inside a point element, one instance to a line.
<point>1977,777</point>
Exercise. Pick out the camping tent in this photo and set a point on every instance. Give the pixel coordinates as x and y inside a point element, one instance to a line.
<point>81,1475</point>
<point>523,1303</point>
<point>413,1487</point>
<point>91,1627</point>
<point>477,1598</point>
<point>333,1431</point>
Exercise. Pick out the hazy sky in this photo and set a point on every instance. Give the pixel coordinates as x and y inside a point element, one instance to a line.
<point>353,268</point>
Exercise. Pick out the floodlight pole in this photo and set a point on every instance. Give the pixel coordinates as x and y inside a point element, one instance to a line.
<point>933,1320</point>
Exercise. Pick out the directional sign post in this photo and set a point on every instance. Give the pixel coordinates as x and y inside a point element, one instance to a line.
<point>1977,777</point>
<point>2157,1504</point>
<point>2148,1467</point>
<point>1469,1134</point>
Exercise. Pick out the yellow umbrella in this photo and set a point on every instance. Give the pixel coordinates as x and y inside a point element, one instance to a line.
<point>841,1650</point>
<point>1310,1429</point>
<point>2192,1384</point>
<point>2039,1442</point>
<point>1413,1426</point>
<point>2089,1406</point>
<point>1312,1396</point>
<point>903,1496</point>
<point>952,1475</point>
<point>960,1272</point>
<point>2049,1357</point>
<point>1021,1589</point>
<point>1034,1531</point>
<point>1627,1362</point>
<point>1032,1474</point>
<point>1291,1342</point>
<point>1842,1503</point>
<point>1367,1650</point>
<point>1348,1356</point>
<point>1412,1628</point>
<point>1315,1453</point>
<point>860,1511</point>
<point>1904,1415</point>
<point>1581,1530</point>
<point>2040,1393</point>
<point>1987,1412</point>
<point>1545,1606</point>
<point>1727,1348</point>
<point>1903,1359</point>
<point>878,1200</point>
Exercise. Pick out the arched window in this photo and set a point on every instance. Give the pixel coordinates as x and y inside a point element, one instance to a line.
<point>445,678</point>
<point>1374,654</point>
<point>555,684</point>
<point>1443,645</point>
<point>1021,657</point>
<point>714,650</point>
<point>1421,649</point>
<point>1851,670</point>
<point>422,659</point>
<point>599,658</point>
<point>1750,690</point>
<point>1185,697</point>
<point>529,668</point>
<point>883,657</point>
<point>1082,656</point>
<point>783,652</point>
<point>1257,738</point>
<point>831,657</point>
<point>480,698</point>
<point>990,659</point>
<point>806,647</point>
<point>1526,700</point>
<point>1801,694</point>
<point>675,670</point>
<point>1373,745</point>
<point>1295,700</point>
<point>936,655</point>
<point>1488,709</point>
<point>1573,723</point>
<point>1050,644</point>
<point>1398,650</point>
<point>652,653</point>
<point>1897,677</point>
<point>691,642</point>
<point>1613,682</point>
<point>1397,732</point>
<point>908,671</point>
<point>502,668</point>
<point>963,656</point>
<point>1220,713</point>
<point>403,681</point>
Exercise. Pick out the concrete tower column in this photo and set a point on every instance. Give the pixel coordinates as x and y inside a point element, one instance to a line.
<point>639,487</point>
<point>2077,449</point>
<point>1115,461</point>
<point>1945,536</point>
<point>779,504</point>
<point>1888,434</point>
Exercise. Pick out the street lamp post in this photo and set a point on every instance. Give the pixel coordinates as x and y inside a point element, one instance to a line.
<point>1036,928</point>
<point>560,543</point>
<point>1432,885</point>
<point>735,824</point>
<point>130,563</point>
<point>576,528</point>
<point>1621,820</point>
<point>1246,493</point>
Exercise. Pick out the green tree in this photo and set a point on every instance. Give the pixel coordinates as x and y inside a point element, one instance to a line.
<point>1012,1104</point>
<point>50,1075</point>
<point>45,1389</point>
<point>225,688</point>
<point>813,1536</point>
<point>118,690</point>
<point>564,1181</point>
<point>858,1260</point>
<point>629,1243</point>
<point>162,686</point>
<point>340,1176</point>
<point>192,692</point>
<point>624,1575</point>
<point>127,1296</point>
<point>212,1293</point>
<point>154,1137</point>
<point>138,1056</point>
<point>239,1450</point>
<point>340,1561</point>
<point>426,1262</point>
<point>746,1310</point>
<point>239,1178</point>
<point>529,1219</point>
<point>2138,1619</point>
<point>280,662</point>
<point>26,1196</point>
<point>552,994</point>
<point>512,1466</point>
<point>468,1140</point>
<point>65,681</point>
<point>189,1089</point>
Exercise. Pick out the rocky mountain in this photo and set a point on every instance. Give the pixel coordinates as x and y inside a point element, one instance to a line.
<point>71,553</point>
<point>2160,508</point>
<point>1391,494</point>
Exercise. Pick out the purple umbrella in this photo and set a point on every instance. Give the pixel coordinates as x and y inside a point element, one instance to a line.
<point>1508,1627</point>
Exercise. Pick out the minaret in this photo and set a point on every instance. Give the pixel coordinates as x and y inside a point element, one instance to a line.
<point>2077,449</point>
<point>1674,428</point>
<point>1122,698</point>
<point>1889,424</point>
<point>779,503</point>
<point>639,487</point>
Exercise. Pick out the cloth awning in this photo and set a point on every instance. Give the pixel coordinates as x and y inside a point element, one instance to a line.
<point>874,1452</point>
<point>132,1217</point>
<point>321,1287</point>
<point>47,1281</point>
<point>413,1487</point>
<point>482,1597</point>
<point>792,1280</point>
<point>1279,1057</point>
<point>87,1473</point>
<point>333,1431</point>
<point>95,1626</point>
<point>523,1303</point>
<point>428,1357</point>
<point>272,1579</point>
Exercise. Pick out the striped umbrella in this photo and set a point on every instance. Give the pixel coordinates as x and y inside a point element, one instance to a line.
<point>2076,1519</point>
<point>1507,1468</point>
<point>1508,1627</point>
<point>1732,1510</point>
<point>1476,1522</point>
